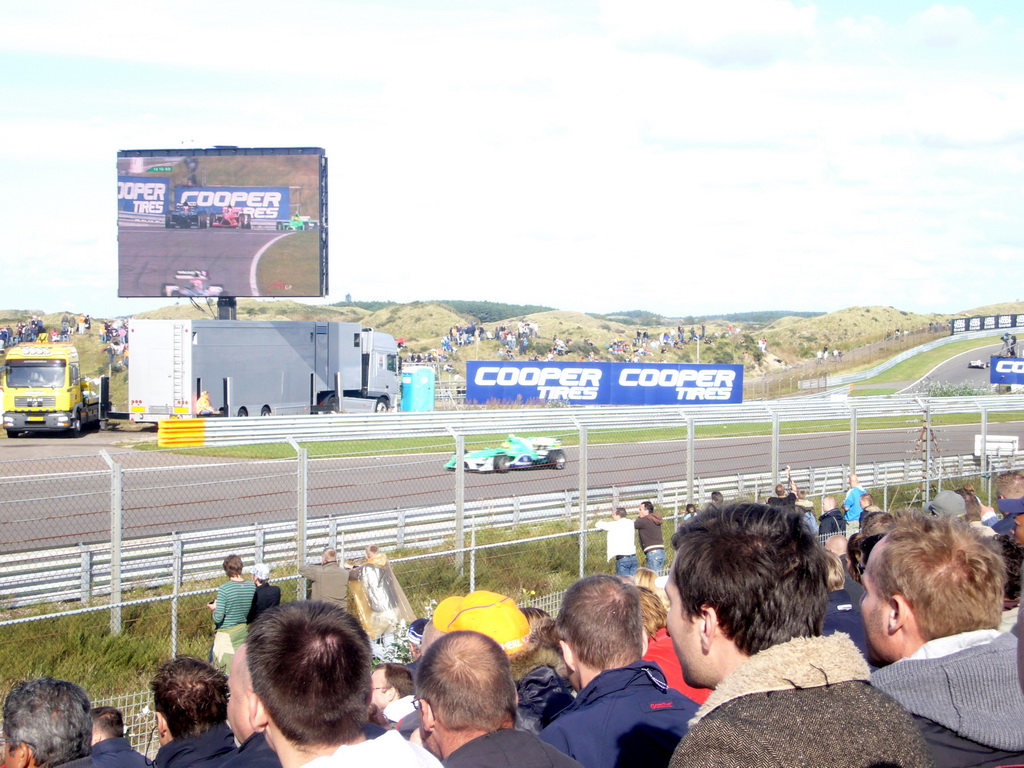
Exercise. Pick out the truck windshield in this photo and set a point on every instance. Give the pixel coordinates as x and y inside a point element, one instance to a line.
<point>48,374</point>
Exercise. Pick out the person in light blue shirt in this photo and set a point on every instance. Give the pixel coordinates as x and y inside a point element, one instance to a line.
<point>851,504</point>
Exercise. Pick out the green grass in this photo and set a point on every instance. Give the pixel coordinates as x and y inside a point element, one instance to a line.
<point>291,266</point>
<point>918,365</point>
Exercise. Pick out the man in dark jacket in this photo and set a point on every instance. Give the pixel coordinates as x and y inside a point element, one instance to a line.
<point>110,749</point>
<point>747,601</point>
<point>467,703</point>
<point>625,714</point>
<point>832,522</point>
<point>931,611</point>
<point>191,702</point>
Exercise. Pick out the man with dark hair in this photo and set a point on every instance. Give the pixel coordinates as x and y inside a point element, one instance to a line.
<point>932,608</point>
<point>47,724</point>
<point>468,704</point>
<point>191,702</point>
<point>391,692</point>
<point>648,528</point>
<point>310,669</point>
<point>110,749</point>
<point>625,714</point>
<point>717,501</point>
<point>747,596</point>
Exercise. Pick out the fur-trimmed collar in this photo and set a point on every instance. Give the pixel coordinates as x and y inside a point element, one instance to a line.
<point>536,655</point>
<point>804,662</point>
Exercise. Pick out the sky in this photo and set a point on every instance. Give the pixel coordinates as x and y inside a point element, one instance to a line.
<point>683,157</point>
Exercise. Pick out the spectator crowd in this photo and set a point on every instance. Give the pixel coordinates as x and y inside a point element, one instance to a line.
<point>769,637</point>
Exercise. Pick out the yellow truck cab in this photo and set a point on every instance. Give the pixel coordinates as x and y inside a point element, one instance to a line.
<point>43,390</point>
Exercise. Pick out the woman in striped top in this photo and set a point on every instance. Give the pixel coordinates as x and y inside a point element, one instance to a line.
<point>234,598</point>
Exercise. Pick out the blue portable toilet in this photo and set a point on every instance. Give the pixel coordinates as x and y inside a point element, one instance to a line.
<point>418,384</point>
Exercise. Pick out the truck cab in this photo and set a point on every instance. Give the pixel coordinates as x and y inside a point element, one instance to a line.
<point>43,390</point>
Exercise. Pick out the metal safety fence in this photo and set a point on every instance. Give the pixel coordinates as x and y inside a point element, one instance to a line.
<point>131,543</point>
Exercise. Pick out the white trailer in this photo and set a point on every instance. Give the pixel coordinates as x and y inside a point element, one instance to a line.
<point>258,368</point>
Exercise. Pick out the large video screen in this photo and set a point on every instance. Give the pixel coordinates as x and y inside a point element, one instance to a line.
<point>222,222</point>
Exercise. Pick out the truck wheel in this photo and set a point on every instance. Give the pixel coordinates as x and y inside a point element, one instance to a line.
<point>381,406</point>
<point>265,411</point>
<point>75,430</point>
<point>501,463</point>
<point>12,433</point>
<point>243,412</point>
<point>556,459</point>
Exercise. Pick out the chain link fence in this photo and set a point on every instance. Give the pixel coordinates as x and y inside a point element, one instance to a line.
<point>129,546</point>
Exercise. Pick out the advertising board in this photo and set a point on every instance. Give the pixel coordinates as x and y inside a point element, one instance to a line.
<point>604,383</point>
<point>985,323</point>
<point>1006,370</point>
<point>224,222</point>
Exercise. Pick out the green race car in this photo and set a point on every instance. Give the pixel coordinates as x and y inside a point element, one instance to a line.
<point>514,453</point>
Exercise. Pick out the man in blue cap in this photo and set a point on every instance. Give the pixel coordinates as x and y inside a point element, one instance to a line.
<point>1010,490</point>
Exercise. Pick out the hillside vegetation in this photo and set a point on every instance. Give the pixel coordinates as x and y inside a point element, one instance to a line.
<point>423,324</point>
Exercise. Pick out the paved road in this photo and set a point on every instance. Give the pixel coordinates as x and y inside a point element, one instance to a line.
<point>165,492</point>
<point>955,370</point>
<point>150,256</point>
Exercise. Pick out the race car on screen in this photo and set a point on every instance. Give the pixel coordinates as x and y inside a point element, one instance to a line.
<point>514,453</point>
<point>185,216</point>
<point>232,216</point>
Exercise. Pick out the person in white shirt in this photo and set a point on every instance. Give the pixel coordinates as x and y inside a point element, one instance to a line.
<point>621,547</point>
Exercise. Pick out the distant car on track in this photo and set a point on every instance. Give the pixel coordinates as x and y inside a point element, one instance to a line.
<point>978,364</point>
<point>514,453</point>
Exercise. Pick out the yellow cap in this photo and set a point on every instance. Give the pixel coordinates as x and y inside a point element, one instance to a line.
<point>488,613</point>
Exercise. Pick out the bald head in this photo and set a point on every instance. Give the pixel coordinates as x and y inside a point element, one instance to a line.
<point>836,545</point>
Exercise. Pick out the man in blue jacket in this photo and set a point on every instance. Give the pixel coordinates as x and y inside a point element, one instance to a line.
<point>624,714</point>
<point>110,749</point>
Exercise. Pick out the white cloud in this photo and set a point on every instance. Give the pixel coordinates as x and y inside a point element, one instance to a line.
<point>967,115</point>
<point>945,26</point>
<point>723,33</point>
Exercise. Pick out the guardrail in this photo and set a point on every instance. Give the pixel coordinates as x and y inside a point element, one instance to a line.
<point>85,572</point>
<point>276,429</point>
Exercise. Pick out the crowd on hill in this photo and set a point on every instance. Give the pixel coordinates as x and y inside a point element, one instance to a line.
<point>772,640</point>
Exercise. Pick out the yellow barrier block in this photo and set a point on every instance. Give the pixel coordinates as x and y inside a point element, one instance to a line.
<point>181,433</point>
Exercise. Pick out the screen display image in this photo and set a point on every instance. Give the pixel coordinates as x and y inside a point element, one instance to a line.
<point>227,221</point>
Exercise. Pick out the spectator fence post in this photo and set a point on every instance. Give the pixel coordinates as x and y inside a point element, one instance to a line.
<point>177,560</point>
<point>472,558</point>
<point>460,496</point>
<point>86,579</point>
<point>301,509</point>
<point>400,535</point>
<point>928,453</point>
<point>115,543</point>
<point>259,543</point>
<point>332,533</point>
<point>517,508</point>
<point>985,474</point>
<point>583,462</point>
<point>775,449</point>
<point>690,448</point>
<point>853,438</point>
